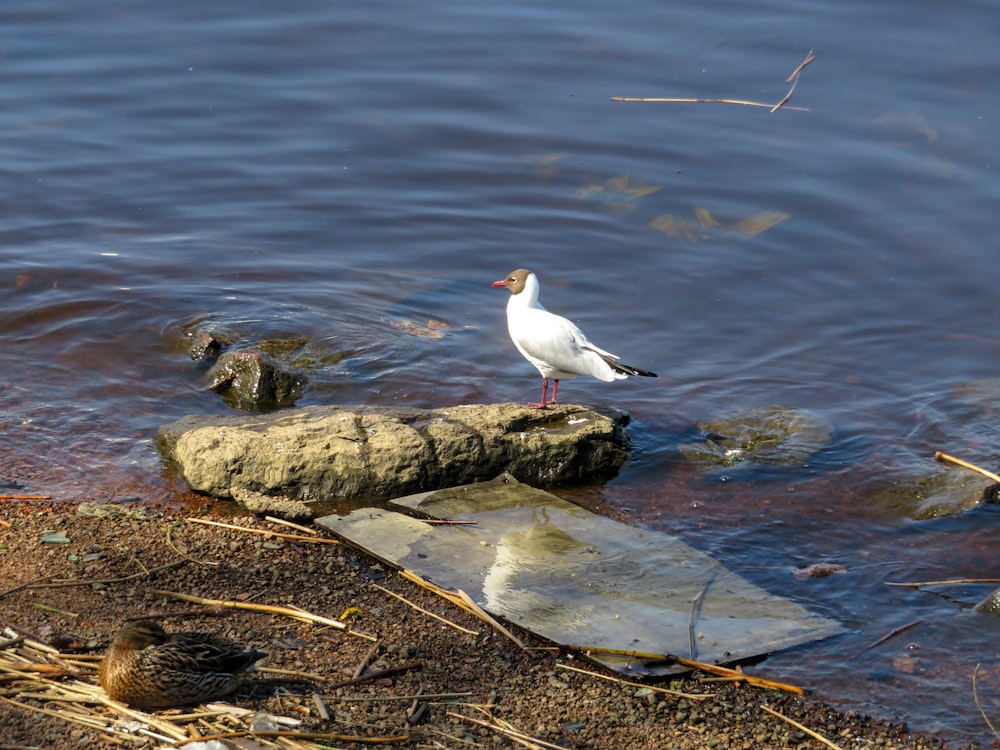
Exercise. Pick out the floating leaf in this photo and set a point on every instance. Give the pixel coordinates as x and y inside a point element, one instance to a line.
<point>621,189</point>
<point>706,219</point>
<point>631,186</point>
<point>546,165</point>
<point>543,159</point>
<point>704,226</point>
<point>907,124</point>
<point>760,222</point>
<point>675,227</point>
<point>434,329</point>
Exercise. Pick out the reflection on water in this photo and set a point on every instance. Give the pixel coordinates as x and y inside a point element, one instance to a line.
<point>356,177</point>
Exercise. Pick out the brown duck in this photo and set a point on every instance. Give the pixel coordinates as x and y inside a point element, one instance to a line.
<point>148,668</point>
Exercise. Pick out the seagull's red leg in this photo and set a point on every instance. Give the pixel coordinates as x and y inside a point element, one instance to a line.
<point>555,390</point>
<point>545,390</point>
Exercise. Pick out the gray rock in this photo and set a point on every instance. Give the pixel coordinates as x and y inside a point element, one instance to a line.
<point>377,453</point>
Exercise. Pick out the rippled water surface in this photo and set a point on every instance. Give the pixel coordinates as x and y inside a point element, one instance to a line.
<point>355,175</point>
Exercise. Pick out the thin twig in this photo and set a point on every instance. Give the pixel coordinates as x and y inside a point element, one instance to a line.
<point>803,728</point>
<point>39,583</point>
<point>463,600</point>
<point>421,696</point>
<point>487,617</point>
<point>656,688</point>
<point>794,80</point>
<point>941,456</point>
<point>424,611</point>
<point>55,610</point>
<point>377,675</point>
<point>795,73</point>
<point>290,673</point>
<point>655,659</point>
<point>949,582</point>
<point>296,537</point>
<point>26,585</point>
<point>182,553</point>
<point>366,660</point>
<point>689,100</point>
<point>975,694</point>
<point>693,617</point>
<point>289,524</point>
<point>893,633</point>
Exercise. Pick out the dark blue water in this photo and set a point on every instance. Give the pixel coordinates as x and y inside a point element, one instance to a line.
<point>358,174</point>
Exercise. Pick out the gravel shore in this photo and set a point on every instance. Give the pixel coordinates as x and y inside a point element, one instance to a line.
<point>115,566</point>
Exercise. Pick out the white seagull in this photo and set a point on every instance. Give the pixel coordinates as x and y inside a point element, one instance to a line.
<point>553,344</point>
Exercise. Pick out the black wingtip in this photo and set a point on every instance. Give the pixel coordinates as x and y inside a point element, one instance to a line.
<point>630,370</point>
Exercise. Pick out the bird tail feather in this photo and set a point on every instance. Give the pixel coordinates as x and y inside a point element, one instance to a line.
<point>624,369</point>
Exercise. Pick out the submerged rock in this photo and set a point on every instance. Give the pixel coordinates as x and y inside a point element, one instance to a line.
<point>377,453</point>
<point>932,490</point>
<point>252,381</point>
<point>774,435</point>
<point>990,605</point>
<point>206,346</point>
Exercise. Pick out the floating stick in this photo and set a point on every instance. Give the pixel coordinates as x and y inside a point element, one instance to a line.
<point>792,79</point>
<point>941,456</point>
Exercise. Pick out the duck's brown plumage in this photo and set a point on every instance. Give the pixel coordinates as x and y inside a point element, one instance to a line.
<point>149,668</point>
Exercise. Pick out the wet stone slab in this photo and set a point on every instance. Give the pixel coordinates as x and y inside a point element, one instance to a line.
<point>579,579</point>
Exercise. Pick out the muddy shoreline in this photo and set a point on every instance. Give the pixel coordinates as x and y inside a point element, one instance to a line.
<point>115,566</point>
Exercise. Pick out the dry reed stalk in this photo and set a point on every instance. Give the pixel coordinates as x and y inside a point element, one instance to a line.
<point>462,600</point>
<point>377,675</point>
<point>941,456</point>
<point>265,532</point>
<point>424,611</point>
<point>975,695</point>
<point>792,79</point>
<point>733,674</point>
<point>289,524</point>
<point>327,736</point>
<point>293,612</point>
<point>694,100</point>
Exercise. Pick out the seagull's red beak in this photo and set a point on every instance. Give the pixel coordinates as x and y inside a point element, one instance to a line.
<point>499,283</point>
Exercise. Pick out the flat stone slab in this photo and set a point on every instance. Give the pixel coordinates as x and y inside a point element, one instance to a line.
<point>575,578</point>
<point>376,453</point>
